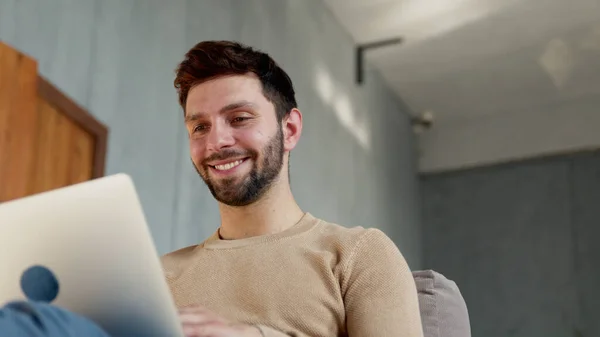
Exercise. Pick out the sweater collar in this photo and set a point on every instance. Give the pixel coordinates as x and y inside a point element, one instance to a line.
<point>305,223</point>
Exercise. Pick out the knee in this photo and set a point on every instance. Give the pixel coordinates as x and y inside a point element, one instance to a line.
<point>36,319</point>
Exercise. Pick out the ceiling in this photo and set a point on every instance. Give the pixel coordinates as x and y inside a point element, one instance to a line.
<point>472,58</point>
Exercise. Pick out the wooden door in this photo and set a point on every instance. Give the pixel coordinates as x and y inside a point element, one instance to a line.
<point>46,140</point>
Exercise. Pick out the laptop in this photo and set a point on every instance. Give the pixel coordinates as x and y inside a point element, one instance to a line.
<point>94,239</point>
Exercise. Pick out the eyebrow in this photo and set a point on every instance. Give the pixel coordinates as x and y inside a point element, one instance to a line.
<point>233,106</point>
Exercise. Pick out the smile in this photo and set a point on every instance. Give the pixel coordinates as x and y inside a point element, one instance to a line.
<point>228,166</point>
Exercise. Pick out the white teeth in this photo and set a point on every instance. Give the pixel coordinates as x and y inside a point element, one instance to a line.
<point>228,166</point>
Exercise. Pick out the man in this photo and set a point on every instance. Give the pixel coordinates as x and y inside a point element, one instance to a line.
<point>272,269</point>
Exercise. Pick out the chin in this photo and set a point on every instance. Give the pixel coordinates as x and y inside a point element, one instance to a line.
<point>235,201</point>
<point>239,195</point>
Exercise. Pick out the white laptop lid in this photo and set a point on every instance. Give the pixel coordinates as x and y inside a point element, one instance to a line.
<point>93,236</point>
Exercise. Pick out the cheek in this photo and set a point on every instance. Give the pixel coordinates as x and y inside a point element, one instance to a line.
<point>249,139</point>
<point>257,138</point>
<point>196,150</point>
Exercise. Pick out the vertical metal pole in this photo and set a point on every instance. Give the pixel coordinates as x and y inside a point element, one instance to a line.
<point>359,64</point>
<point>360,51</point>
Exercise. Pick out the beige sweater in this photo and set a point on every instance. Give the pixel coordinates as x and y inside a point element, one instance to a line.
<point>315,279</point>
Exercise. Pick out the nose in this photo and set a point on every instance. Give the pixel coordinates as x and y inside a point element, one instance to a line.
<point>219,137</point>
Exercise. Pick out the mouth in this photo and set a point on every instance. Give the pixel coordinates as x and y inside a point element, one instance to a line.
<point>227,167</point>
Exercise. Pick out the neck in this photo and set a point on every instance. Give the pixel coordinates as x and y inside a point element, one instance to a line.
<point>275,212</point>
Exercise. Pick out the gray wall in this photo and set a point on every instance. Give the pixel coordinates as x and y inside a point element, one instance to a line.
<point>520,240</point>
<point>116,58</point>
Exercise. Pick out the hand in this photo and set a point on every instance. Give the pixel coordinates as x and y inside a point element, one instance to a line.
<point>200,322</point>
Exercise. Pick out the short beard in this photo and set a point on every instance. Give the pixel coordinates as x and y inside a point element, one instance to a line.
<point>252,187</point>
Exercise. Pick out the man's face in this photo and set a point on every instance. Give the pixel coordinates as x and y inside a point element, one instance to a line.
<point>236,142</point>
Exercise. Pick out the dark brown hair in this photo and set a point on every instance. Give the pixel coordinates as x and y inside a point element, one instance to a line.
<point>211,59</point>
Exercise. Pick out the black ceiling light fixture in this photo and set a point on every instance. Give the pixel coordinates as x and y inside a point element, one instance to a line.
<point>362,48</point>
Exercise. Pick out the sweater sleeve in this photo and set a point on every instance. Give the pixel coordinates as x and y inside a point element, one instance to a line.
<point>380,295</point>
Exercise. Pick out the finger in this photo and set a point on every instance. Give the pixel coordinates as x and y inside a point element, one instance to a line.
<point>207,330</point>
<point>195,318</point>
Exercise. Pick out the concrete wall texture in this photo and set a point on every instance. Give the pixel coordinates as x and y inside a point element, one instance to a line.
<point>520,240</point>
<point>354,164</point>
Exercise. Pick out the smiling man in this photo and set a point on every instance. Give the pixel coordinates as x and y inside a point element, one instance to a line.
<point>272,269</point>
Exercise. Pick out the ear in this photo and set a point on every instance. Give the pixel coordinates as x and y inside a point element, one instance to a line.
<point>292,129</point>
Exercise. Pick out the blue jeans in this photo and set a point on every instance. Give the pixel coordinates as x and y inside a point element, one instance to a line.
<point>38,319</point>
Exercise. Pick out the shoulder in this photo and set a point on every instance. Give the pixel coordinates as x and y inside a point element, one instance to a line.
<point>175,261</point>
<point>354,237</point>
<point>365,254</point>
<point>365,251</point>
<point>356,244</point>
<point>340,233</point>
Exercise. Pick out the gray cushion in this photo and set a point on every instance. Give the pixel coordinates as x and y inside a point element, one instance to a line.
<point>443,309</point>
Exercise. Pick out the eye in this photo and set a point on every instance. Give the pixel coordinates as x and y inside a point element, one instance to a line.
<point>239,119</point>
<point>199,128</point>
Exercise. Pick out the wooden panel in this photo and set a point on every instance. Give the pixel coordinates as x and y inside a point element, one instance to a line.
<point>18,100</point>
<point>82,156</point>
<point>46,140</point>
<point>64,150</point>
<point>87,122</point>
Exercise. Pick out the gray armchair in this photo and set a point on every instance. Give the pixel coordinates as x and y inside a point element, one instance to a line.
<point>443,309</point>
